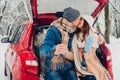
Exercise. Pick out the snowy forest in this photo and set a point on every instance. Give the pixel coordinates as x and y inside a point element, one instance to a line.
<point>14,12</point>
<point>107,22</point>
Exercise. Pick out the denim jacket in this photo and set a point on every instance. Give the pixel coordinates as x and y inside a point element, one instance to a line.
<point>52,39</point>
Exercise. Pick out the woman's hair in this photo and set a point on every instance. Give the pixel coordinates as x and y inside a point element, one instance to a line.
<point>84,30</point>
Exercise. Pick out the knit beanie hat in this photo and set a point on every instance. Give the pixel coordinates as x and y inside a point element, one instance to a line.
<point>89,20</point>
<point>71,14</point>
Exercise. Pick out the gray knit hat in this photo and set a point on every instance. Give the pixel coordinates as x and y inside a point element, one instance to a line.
<point>71,14</point>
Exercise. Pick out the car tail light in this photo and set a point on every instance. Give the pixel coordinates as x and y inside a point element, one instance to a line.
<point>29,63</point>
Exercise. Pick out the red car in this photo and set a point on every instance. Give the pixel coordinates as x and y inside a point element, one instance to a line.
<point>21,58</point>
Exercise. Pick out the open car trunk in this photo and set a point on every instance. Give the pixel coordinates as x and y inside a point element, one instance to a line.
<point>45,11</point>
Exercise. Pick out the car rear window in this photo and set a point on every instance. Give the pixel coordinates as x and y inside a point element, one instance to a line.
<point>17,33</point>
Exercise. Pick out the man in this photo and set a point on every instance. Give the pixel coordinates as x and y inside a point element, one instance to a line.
<point>54,45</point>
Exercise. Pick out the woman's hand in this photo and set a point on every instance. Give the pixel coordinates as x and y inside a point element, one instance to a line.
<point>101,39</point>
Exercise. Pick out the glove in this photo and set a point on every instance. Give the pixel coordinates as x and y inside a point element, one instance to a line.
<point>89,43</point>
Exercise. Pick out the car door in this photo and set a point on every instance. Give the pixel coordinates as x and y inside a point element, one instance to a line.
<point>11,53</point>
<point>10,57</point>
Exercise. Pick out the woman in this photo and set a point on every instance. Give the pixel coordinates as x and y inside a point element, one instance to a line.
<point>85,42</point>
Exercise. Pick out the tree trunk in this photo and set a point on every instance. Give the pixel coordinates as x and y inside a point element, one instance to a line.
<point>98,28</point>
<point>107,24</point>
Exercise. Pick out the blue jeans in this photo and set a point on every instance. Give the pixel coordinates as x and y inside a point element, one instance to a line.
<point>61,75</point>
<point>88,77</point>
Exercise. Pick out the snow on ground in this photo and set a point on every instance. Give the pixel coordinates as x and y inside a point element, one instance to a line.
<point>3,47</point>
<point>114,46</point>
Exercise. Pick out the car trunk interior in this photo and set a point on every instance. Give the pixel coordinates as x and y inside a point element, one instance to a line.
<point>40,33</point>
<point>41,30</point>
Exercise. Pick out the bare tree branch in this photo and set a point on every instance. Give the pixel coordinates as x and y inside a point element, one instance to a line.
<point>115,7</point>
<point>26,8</point>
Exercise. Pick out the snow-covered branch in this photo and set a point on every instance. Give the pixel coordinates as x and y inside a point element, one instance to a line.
<point>114,7</point>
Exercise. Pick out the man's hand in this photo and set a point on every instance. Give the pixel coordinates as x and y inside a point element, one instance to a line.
<point>61,48</point>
